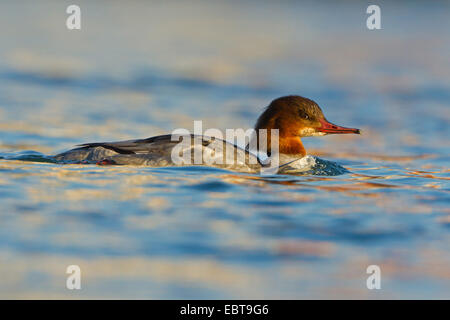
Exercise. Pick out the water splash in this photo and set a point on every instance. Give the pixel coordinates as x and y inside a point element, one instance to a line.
<point>311,165</point>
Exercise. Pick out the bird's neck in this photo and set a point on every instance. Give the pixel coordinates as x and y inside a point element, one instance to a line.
<point>287,144</point>
<point>292,146</point>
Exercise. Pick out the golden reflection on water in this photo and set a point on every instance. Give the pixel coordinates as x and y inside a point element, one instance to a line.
<point>78,185</point>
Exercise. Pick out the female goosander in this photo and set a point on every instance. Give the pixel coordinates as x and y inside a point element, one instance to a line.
<point>294,117</point>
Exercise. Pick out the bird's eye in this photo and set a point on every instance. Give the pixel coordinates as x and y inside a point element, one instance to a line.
<point>303,115</point>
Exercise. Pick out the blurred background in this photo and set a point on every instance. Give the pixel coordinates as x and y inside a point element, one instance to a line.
<point>143,68</point>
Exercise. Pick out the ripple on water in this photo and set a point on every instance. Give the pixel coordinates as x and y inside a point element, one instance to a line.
<point>211,186</point>
<point>27,155</point>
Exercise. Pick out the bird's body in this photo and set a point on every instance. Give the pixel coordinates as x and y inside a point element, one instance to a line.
<point>293,116</point>
<point>157,152</point>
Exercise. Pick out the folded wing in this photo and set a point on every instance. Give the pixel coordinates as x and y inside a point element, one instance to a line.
<point>159,151</point>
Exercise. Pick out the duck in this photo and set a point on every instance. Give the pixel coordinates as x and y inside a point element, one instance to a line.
<point>290,117</point>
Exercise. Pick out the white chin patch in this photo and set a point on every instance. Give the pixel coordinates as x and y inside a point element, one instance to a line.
<point>310,132</point>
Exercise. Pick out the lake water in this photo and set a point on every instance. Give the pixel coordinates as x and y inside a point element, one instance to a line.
<point>139,69</point>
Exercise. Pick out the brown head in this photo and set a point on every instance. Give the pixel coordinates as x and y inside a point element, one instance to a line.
<point>296,117</point>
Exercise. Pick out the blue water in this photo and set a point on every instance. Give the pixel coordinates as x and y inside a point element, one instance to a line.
<point>137,70</point>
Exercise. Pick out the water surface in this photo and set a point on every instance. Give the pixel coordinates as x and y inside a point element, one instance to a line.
<point>139,69</point>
